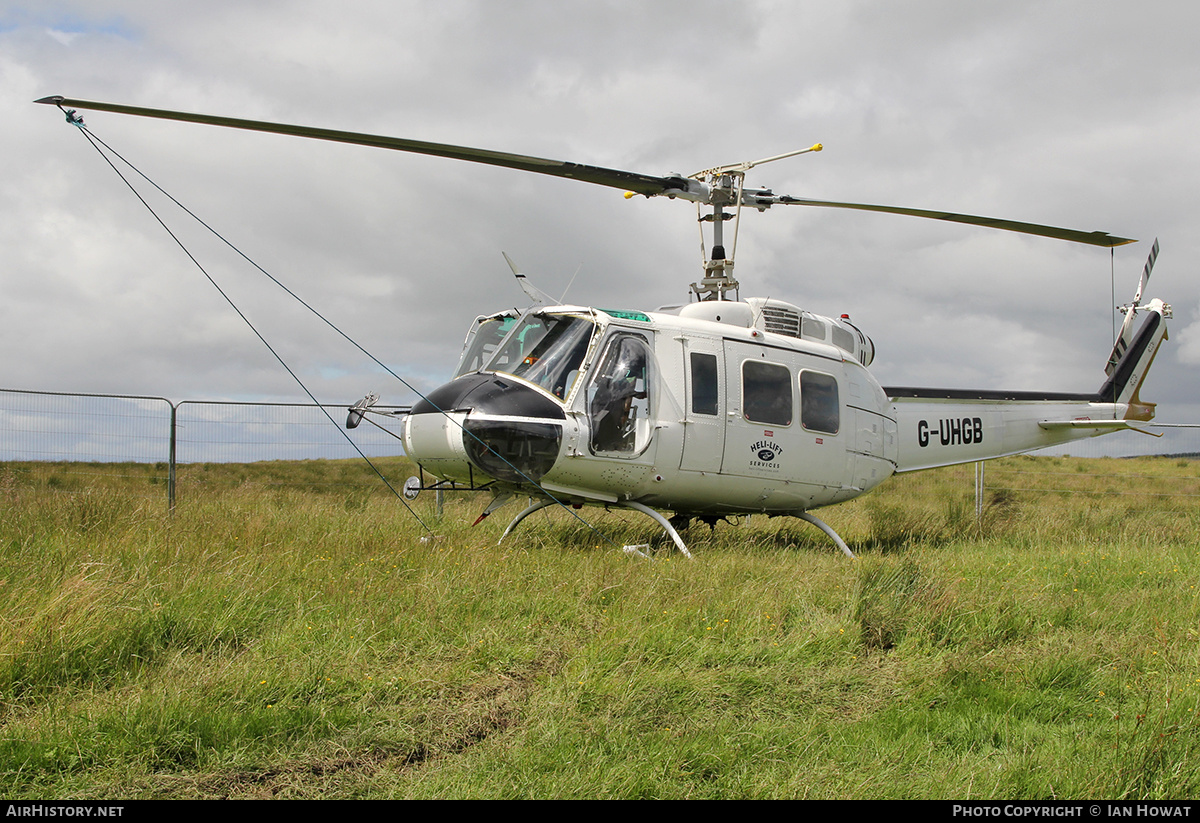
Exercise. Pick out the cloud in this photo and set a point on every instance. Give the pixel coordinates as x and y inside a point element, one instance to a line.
<point>1187,341</point>
<point>1031,111</point>
<point>64,37</point>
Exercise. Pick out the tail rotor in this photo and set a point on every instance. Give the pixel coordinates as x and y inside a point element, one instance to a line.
<point>1126,336</point>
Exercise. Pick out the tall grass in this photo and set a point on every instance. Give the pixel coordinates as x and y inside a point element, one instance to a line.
<point>288,632</point>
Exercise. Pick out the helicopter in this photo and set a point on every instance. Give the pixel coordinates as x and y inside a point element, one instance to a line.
<point>717,407</point>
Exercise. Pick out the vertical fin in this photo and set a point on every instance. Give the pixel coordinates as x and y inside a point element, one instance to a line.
<point>1130,370</point>
<point>1126,335</point>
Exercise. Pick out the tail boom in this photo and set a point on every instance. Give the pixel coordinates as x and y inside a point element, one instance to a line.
<point>944,427</point>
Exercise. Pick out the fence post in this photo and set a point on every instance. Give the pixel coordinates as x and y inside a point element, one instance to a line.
<point>979,492</point>
<point>171,464</point>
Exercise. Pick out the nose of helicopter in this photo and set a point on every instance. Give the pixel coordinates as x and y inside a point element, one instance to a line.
<point>485,423</point>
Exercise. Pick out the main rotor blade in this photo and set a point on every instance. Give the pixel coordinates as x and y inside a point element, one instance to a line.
<point>614,178</point>
<point>1094,238</point>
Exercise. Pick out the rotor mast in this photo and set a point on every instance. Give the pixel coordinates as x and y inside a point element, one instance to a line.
<point>718,268</point>
<point>725,186</point>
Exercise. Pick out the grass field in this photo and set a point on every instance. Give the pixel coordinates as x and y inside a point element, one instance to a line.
<point>287,633</point>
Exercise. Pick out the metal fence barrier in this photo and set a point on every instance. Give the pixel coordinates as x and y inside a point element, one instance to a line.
<point>101,431</point>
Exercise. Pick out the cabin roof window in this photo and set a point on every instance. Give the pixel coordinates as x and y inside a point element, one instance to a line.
<point>844,339</point>
<point>813,329</point>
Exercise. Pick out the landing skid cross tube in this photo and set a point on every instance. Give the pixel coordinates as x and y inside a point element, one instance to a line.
<point>535,507</point>
<point>662,521</point>
<point>820,524</point>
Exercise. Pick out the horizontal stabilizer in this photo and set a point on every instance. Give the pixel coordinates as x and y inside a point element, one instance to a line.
<point>1103,425</point>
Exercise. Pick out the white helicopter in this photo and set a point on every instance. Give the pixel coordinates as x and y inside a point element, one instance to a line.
<point>718,407</point>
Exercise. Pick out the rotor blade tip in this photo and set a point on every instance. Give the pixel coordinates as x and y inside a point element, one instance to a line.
<point>817,147</point>
<point>52,100</point>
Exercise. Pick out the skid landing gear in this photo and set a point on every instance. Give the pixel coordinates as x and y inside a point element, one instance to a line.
<point>662,521</point>
<point>820,524</point>
<point>635,549</point>
<point>534,507</point>
<point>669,526</point>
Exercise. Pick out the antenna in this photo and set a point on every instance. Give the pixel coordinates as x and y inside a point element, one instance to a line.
<point>539,297</point>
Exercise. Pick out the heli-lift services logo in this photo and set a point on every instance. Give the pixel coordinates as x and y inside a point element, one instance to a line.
<point>765,452</point>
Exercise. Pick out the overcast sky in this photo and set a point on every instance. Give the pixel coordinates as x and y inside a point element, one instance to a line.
<point>1079,114</point>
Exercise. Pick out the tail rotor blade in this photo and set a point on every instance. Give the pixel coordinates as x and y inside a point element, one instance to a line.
<point>1137,298</point>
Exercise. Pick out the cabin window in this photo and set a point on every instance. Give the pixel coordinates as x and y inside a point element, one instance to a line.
<point>619,398</point>
<point>545,349</point>
<point>766,393</point>
<point>819,408</point>
<point>486,335</point>
<point>704,383</point>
